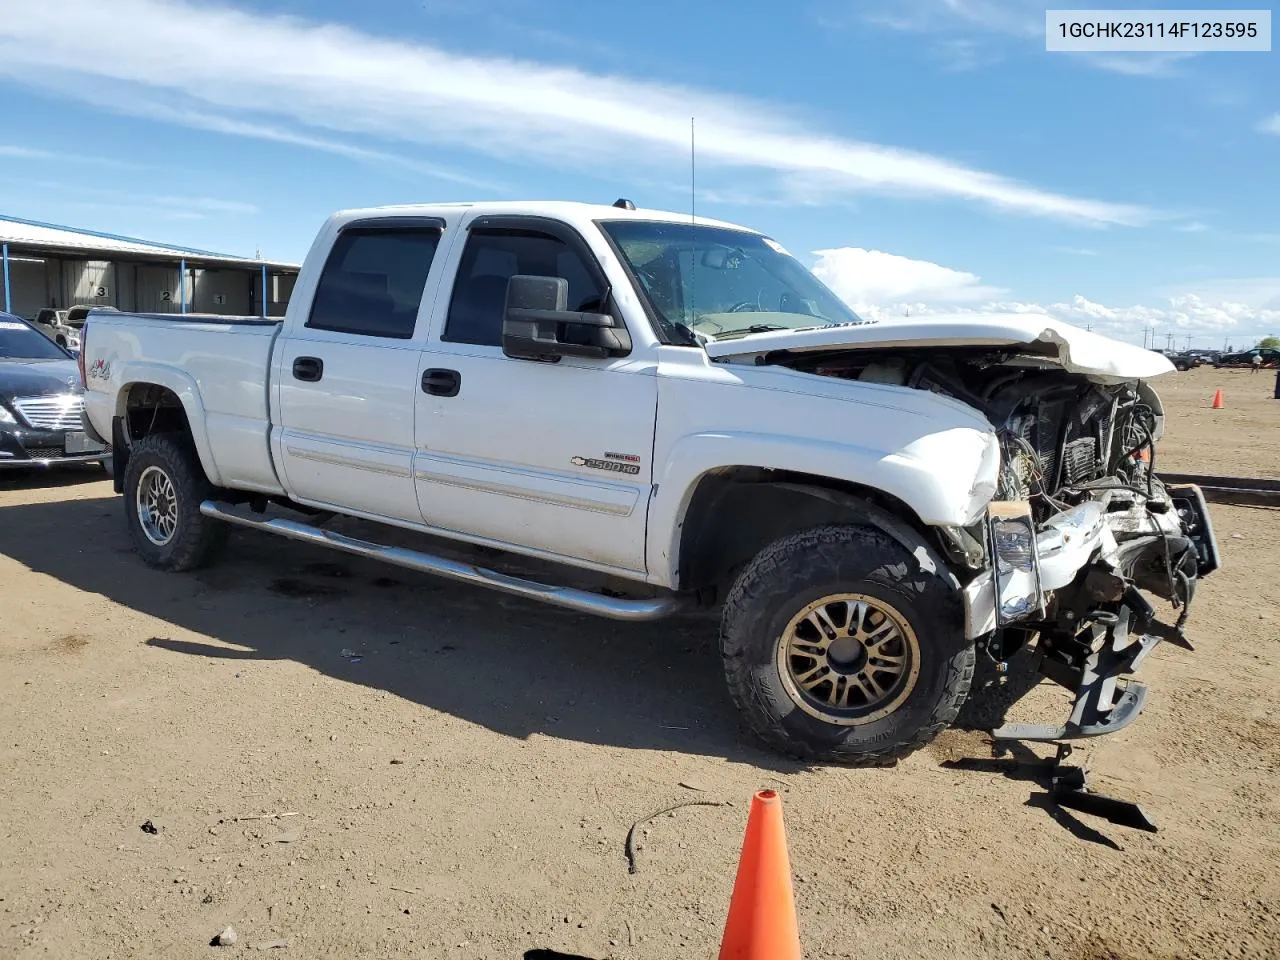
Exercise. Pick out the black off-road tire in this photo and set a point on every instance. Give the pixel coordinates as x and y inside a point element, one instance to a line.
<point>805,567</point>
<point>196,538</point>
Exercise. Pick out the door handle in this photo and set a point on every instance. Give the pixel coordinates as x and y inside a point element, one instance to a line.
<point>441,383</point>
<point>309,369</point>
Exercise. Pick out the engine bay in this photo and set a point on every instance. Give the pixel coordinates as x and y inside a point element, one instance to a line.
<point>1062,435</point>
<point>1070,446</point>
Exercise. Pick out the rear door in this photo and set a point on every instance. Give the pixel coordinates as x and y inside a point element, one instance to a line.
<point>347,378</point>
<point>553,458</point>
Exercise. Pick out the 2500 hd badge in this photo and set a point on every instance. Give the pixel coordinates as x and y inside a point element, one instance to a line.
<point>613,466</point>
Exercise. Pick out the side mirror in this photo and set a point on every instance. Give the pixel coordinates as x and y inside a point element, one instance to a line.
<point>537,326</point>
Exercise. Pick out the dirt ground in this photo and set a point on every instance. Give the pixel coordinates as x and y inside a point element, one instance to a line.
<point>364,762</point>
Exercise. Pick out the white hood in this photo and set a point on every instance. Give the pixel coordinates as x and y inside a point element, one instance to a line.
<point>1079,351</point>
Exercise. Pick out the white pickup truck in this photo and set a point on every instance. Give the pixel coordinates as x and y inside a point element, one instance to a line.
<point>682,413</point>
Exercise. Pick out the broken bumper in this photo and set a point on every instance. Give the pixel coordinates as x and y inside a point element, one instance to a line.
<point>1063,546</point>
<point>1100,628</point>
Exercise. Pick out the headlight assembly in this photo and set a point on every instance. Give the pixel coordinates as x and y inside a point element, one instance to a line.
<point>1015,563</point>
<point>5,415</point>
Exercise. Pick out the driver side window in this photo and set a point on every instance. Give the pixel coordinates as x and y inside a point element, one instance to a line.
<point>491,258</point>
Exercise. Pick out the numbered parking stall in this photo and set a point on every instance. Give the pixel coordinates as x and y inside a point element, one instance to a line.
<point>46,268</point>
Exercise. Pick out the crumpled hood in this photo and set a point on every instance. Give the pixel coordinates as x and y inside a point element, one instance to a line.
<point>1079,351</point>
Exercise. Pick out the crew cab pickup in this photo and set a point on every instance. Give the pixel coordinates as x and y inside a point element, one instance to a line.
<point>666,414</point>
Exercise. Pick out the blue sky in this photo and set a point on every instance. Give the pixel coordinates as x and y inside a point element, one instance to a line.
<point>924,154</point>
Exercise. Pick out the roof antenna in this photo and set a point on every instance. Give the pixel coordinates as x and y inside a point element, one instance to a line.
<point>692,319</point>
<point>693,175</point>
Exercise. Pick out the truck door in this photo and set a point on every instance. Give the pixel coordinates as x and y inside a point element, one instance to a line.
<point>554,458</point>
<point>347,378</point>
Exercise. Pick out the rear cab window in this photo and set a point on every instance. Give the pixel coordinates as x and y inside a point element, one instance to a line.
<point>374,277</point>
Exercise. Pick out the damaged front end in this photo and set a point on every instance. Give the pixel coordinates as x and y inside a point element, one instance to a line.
<point>1081,525</point>
<point>1069,562</point>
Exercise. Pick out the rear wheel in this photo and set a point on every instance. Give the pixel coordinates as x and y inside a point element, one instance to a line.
<point>164,485</point>
<point>841,644</point>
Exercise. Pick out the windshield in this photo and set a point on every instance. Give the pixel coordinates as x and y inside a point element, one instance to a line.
<point>21,342</point>
<point>720,282</point>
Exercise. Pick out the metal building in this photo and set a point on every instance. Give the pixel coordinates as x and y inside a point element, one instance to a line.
<point>45,265</point>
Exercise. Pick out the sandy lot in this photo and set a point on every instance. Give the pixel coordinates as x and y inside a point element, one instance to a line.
<point>459,782</point>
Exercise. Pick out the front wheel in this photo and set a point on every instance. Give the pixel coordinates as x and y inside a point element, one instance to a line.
<point>163,487</point>
<point>841,644</point>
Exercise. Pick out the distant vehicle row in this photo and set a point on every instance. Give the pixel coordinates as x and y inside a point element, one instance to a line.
<point>1189,359</point>
<point>63,326</point>
<point>1270,358</point>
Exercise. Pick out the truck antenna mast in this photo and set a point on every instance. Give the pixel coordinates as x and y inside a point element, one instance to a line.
<point>693,175</point>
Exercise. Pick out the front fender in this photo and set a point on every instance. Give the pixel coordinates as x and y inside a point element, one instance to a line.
<point>946,478</point>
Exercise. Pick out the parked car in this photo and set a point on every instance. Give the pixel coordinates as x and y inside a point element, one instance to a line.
<point>1184,361</point>
<point>683,414</point>
<point>63,326</point>
<point>1270,358</point>
<point>40,402</point>
<point>53,324</point>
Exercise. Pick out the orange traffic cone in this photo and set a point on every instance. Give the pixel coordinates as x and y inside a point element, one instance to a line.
<point>1217,400</point>
<point>762,913</point>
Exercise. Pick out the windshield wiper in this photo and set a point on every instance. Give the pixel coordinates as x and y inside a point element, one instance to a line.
<point>754,328</point>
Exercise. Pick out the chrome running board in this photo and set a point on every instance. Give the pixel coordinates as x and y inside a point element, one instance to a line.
<point>582,601</point>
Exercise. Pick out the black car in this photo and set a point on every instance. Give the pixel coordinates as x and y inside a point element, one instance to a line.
<point>41,398</point>
<point>1270,358</point>
<point>1184,361</point>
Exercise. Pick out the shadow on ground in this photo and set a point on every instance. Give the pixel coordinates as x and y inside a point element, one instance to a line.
<point>992,696</point>
<point>516,667</point>
<point>39,478</point>
<point>513,666</point>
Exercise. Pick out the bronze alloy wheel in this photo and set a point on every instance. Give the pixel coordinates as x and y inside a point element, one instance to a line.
<point>848,659</point>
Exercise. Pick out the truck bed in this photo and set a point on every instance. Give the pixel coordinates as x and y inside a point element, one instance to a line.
<point>202,317</point>
<point>218,367</point>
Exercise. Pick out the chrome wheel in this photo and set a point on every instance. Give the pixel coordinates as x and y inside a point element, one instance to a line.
<point>848,659</point>
<point>157,506</point>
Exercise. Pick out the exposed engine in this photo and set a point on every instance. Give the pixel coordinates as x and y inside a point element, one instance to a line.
<point>1057,430</point>
<point>1066,441</point>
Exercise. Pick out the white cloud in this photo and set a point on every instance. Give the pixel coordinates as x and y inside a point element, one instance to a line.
<point>24,153</point>
<point>282,72</point>
<point>194,206</point>
<point>1154,64</point>
<point>1270,125</point>
<point>868,277</point>
<point>1195,226</point>
<point>887,286</point>
<point>1077,251</point>
<point>1262,291</point>
<point>261,131</point>
<point>969,33</point>
<point>1023,18</point>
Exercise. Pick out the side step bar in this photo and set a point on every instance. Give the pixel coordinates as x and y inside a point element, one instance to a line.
<point>582,601</point>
